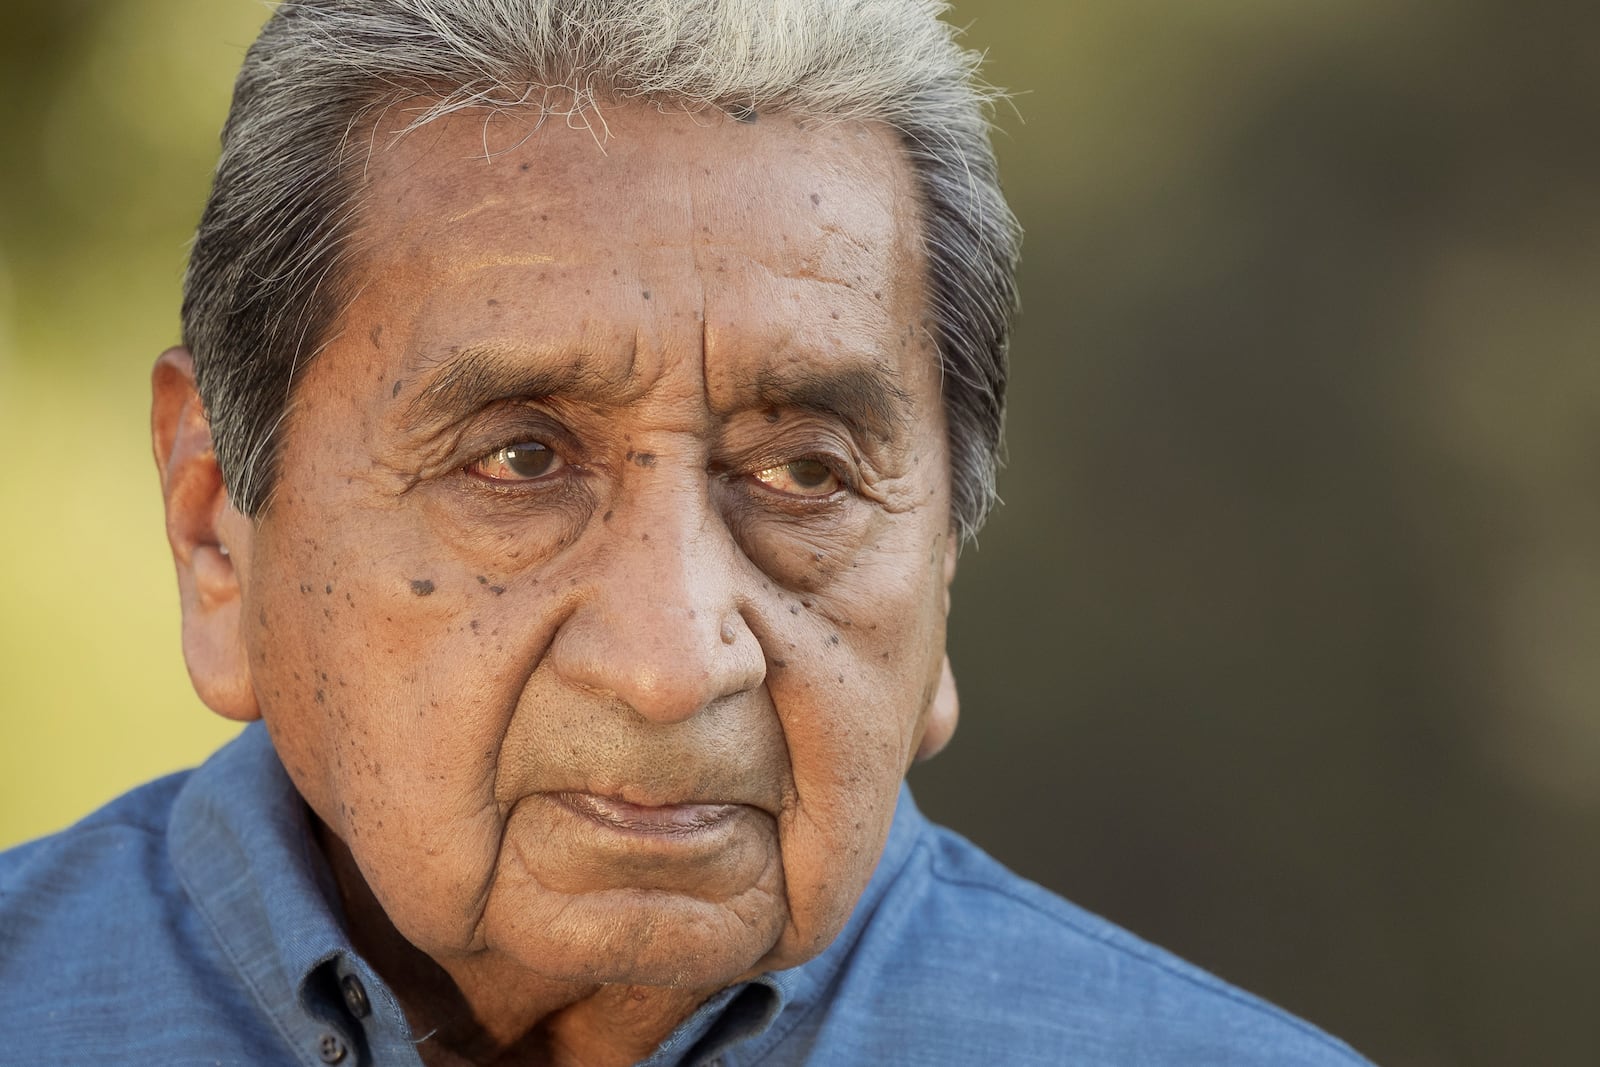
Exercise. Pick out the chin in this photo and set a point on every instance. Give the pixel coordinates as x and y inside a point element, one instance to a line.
<point>647,938</point>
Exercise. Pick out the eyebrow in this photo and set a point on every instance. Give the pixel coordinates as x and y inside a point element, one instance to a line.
<point>481,375</point>
<point>867,399</point>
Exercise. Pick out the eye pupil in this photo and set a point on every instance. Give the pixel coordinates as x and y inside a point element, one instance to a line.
<point>528,460</point>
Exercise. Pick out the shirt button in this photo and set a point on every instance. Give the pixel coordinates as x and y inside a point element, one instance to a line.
<point>355,997</point>
<point>331,1049</point>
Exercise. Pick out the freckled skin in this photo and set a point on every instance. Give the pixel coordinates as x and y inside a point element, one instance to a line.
<point>644,618</point>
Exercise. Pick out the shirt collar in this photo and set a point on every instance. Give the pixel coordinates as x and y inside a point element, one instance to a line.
<point>241,843</point>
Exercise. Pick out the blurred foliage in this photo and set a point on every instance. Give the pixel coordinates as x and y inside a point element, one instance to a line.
<point>1282,652</point>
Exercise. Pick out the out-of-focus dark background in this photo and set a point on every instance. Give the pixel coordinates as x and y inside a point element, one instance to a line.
<point>1285,649</point>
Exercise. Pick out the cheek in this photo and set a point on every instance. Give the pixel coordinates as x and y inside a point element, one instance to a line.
<point>387,680</point>
<point>864,658</point>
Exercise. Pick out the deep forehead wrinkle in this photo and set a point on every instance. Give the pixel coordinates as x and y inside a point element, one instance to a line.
<point>477,376</point>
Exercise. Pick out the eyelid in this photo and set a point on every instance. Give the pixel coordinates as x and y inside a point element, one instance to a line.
<point>518,423</point>
<point>803,492</point>
<point>560,463</point>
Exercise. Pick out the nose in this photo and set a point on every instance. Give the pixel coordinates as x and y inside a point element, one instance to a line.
<point>660,626</point>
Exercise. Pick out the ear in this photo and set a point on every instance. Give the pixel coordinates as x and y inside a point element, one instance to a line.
<point>210,540</point>
<point>940,724</point>
<point>945,710</point>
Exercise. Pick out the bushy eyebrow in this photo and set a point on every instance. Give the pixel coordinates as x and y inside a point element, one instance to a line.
<point>869,400</point>
<point>479,376</point>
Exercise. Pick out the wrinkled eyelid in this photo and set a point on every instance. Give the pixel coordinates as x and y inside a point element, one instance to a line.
<point>841,480</point>
<point>500,457</point>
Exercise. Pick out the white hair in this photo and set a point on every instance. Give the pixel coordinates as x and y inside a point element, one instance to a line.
<point>269,271</point>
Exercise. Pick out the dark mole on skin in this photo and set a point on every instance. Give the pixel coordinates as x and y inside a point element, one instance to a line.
<point>494,303</point>
<point>645,293</point>
<point>816,199</point>
<point>376,336</point>
<point>396,390</point>
<point>643,459</point>
<point>743,114</point>
<point>607,516</point>
<point>328,589</point>
<point>497,589</point>
<point>422,586</point>
<point>482,580</point>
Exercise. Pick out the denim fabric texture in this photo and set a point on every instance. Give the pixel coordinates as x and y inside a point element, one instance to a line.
<point>194,921</point>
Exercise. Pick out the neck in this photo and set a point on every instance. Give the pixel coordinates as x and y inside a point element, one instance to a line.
<point>480,1009</point>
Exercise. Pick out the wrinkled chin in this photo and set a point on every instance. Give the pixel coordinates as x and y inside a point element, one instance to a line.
<point>640,937</point>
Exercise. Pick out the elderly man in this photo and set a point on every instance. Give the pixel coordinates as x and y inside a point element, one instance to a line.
<point>581,405</point>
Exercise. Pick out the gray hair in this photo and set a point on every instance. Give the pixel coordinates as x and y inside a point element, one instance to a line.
<point>269,274</point>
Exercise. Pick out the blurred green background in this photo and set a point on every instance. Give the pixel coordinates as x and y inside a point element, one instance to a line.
<point>1285,650</point>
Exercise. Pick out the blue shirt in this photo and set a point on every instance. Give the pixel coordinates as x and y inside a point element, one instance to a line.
<point>194,921</point>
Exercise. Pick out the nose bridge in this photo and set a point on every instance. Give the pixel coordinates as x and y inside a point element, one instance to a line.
<point>661,626</point>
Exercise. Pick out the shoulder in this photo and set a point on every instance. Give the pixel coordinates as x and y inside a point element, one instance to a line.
<point>975,964</point>
<point>61,868</point>
<point>99,942</point>
<point>81,902</point>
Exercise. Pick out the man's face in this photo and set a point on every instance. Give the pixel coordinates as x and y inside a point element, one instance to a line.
<point>601,602</point>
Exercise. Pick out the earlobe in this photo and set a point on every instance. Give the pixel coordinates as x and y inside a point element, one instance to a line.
<point>943,713</point>
<point>945,709</point>
<point>210,540</point>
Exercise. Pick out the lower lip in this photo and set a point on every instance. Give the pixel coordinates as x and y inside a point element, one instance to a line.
<point>665,820</point>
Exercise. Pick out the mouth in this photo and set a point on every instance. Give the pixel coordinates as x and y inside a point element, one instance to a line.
<point>653,820</point>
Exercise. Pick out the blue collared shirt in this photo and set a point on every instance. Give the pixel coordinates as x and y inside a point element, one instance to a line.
<point>194,921</point>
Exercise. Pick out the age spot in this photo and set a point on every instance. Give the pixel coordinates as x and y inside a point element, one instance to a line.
<point>422,586</point>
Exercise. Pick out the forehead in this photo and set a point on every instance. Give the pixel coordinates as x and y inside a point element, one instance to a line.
<point>635,238</point>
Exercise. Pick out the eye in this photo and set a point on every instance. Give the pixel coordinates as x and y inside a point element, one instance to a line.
<point>521,462</point>
<point>803,477</point>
